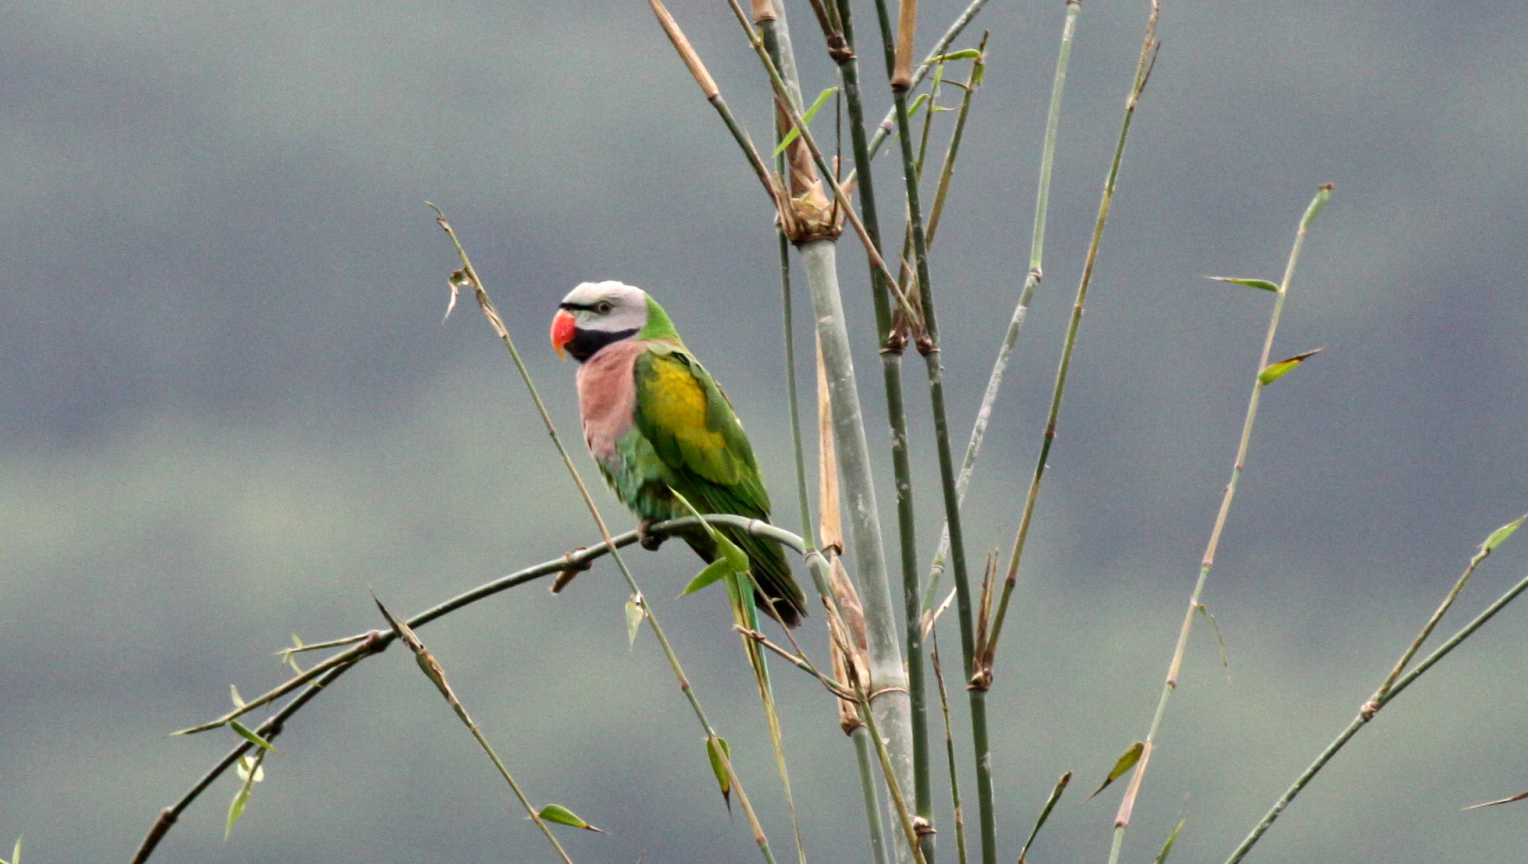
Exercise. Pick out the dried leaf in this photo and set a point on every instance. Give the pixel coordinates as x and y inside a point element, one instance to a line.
<point>930,617</point>
<point>1516,797</point>
<point>1122,766</point>
<point>634,616</point>
<point>458,281</point>
<point>1281,368</point>
<point>555,813</point>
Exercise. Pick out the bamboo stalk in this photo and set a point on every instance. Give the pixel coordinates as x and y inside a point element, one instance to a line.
<point>891,379</point>
<point>1364,717</point>
<point>1171,681</point>
<point>928,344</point>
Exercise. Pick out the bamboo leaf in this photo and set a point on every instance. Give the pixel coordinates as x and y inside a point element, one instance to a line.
<point>1056,793</point>
<point>251,773</point>
<point>1220,640</point>
<point>963,54</point>
<point>15,854</point>
<point>555,813</point>
<point>233,694</point>
<point>1501,535</point>
<point>807,116</point>
<point>708,575</point>
<point>917,102</point>
<point>1261,284</point>
<point>1122,766</point>
<point>720,757</point>
<point>1162,855</point>
<point>634,615</point>
<point>1516,797</point>
<point>252,736</point>
<point>1281,368</point>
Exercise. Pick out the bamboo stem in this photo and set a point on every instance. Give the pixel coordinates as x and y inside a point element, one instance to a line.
<point>891,378</point>
<point>1171,681</point>
<point>929,347</point>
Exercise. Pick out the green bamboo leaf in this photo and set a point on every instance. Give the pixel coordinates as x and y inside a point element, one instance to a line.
<point>708,575</point>
<point>252,736</point>
<point>1281,368</point>
<point>235,811</point>
<point>1162,855</point>
<point>918,102</point>
<point>720,756</point>
<point>1261,284</point>
<point>15,854</point>
<point>555,813</point>
<point>251,773</point>
<point>1056,793</point>
<point>732,554</point>
<point>807,116</point>
<point>1122,766</point>
<point>963,54</point>
<point>1501,535</point>
<point>634,616</point>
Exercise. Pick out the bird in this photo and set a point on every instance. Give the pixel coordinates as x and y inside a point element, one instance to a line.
<point>657,424</point>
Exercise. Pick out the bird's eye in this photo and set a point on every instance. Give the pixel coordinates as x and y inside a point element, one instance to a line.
<point>603,307</point>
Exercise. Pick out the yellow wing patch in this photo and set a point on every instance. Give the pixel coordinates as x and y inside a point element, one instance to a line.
<point>677,402</point>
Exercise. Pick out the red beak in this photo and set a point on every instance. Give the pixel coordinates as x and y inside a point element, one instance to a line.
<point>562,331</point>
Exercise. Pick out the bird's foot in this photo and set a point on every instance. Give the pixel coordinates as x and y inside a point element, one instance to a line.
<point>645,537</point>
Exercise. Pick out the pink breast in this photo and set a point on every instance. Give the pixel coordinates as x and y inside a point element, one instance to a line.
<point>608,396</point>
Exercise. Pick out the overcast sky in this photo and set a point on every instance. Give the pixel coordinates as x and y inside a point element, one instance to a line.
<point>231,408</point>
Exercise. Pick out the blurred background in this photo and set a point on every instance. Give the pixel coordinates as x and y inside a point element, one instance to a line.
<point>230,408</point>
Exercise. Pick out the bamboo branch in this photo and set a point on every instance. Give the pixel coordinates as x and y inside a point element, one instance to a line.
<point>1365,715</point>
<point>374,642</point>
<point>1171,681</point>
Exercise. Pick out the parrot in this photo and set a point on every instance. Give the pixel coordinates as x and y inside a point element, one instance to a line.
<point>657,424</point>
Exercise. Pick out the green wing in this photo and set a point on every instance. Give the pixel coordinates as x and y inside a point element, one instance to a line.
<point>693,430</point>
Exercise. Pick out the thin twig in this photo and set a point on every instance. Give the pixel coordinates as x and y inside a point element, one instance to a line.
<point>433,671</point>
<point>1171,681</point>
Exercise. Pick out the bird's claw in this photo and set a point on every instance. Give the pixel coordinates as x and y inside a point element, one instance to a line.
<point>646,538</point>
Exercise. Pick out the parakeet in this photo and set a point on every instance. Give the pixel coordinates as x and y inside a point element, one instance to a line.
<point>655,420</point>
